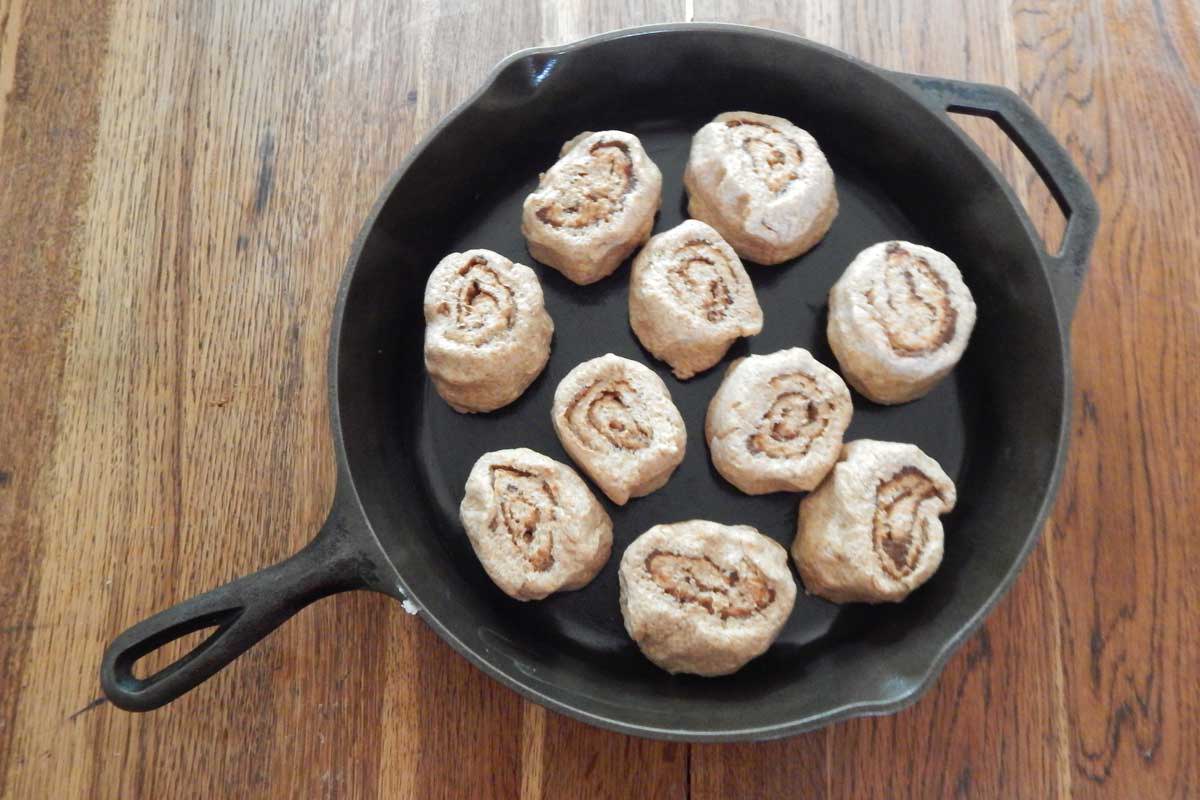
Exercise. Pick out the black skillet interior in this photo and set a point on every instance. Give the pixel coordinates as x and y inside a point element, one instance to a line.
<point>902,173</point>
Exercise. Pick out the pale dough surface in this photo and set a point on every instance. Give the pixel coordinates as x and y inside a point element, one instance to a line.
<point>872,532</point>
<point>594,207</point>
<point>690,298</point>
<point>534,524</point>
<point>704,598</point>
<point>616,420</point>
<point>776,423</point>
<point>487,332</point>
<point>763,183</point>
<point>900,317</point>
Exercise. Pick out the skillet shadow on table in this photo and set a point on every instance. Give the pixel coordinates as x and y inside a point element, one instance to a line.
<point>410,471</point>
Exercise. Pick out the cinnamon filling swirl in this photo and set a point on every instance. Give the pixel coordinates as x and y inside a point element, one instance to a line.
<point>901,525</point>
<point>702,280</point>
<point>799,417</point>
<point>776,158</point>
<point>591,190</point>
<point>527,505</point>
<point>734,593</point>
<point>480,304</point>
<point>912,303</point>
<point>603,417</point>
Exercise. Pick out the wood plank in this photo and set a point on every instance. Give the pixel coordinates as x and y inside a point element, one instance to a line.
<point>12,17</point>
<point>1124,554</point>
<point>577,759</point>
<point>794,767</point>
<point>47,138</point>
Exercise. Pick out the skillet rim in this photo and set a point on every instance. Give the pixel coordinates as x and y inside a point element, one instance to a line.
<point>396,586</point>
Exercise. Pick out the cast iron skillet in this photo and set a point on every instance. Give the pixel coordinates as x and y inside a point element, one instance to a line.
<point>904,171</point>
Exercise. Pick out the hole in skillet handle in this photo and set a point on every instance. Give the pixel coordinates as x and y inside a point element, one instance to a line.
<point>151,658</point>
<point>1049,159</point>
<point>1046,214</point>
<point>243,612</point>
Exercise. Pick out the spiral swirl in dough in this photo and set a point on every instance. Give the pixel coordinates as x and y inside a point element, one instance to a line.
<point>776,423</point>
<point>594,207</point>
<point>871,531</point>
<point>690,298</point>
<point>487,333</point>
<point>704,598</point>
<point>763,183</point>
<point>534,524</point>
<point>899,320</point>
<point>616,420</point>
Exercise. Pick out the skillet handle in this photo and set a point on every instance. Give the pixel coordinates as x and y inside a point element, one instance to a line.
<point>243,612</point>
<point>1072,193</point>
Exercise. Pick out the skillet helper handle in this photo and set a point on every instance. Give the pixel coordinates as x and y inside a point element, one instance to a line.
<point>1055,167</point>
<point>243,612</point>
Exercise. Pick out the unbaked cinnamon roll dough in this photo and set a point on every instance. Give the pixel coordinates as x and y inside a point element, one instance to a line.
<point>690,298</point>
<point>704,598</point>
<point>899,320</point>
<point>776,423</point>
<point>763,183</point>
<point>487,333</point>
<point>871,531</point>
<point>534,524</point>
<point>594,207</point>
<point>616,420</point>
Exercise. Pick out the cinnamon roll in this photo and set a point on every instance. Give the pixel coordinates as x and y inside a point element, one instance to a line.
<point>534,524</point>
<point>690,298</point>
<point>776,423</point>
<point>899,320</point>
<point>704,598</point>
<point>487,333</point>
<point>594,207</point>
<point>763,183</point>
<point>616,420</point>
<point>870,533</point>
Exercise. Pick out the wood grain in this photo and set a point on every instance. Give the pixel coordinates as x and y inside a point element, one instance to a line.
<point>179,187</point>
<point>1123,531</point>
<point>47,137</point>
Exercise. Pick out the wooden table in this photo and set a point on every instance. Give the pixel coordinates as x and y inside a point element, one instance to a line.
<point>180,183</point>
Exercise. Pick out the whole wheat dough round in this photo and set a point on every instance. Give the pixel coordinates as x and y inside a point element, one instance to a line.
<point>616,420</point>
<point>487,333</point>
<point>871,533</point>
<point>534,524</point>
<point>704,598</point>
<point>899,320</point>
<point>763,183</point>
<point>594,207</point>
<point>776,423</point>
<point>690,298</point>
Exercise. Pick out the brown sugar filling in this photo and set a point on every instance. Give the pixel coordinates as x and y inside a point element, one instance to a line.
<point>591,190</point>
<point>797,418</point>
<point>702,280</point>
<point>775,157</point>
<point>528,505</point>
<point>912,303</point>
<point>733,593</point>
<point>482,305</point>
<point>901,525</point>
<point>603,417</point>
